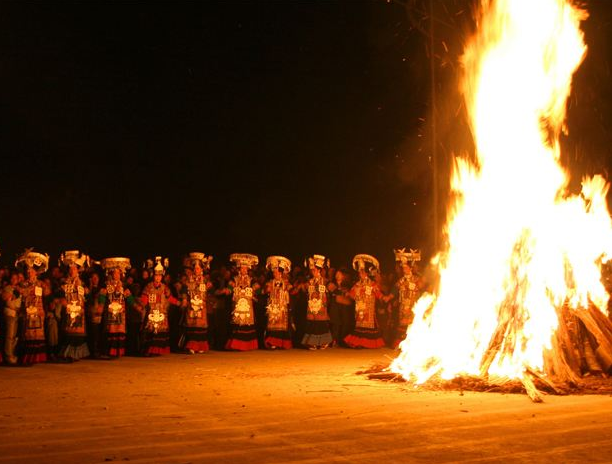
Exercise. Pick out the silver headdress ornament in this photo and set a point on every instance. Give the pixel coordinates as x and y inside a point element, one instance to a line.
<point>406,257</point>
<point>244,259</point>
<point>76,258</point>
<point>318,261</point>
<point>157,266</point>
<point>195,257</point>
<point>33,260</point>
<point>110,264</point>
<point>276,262</point>
<point>363,262</point>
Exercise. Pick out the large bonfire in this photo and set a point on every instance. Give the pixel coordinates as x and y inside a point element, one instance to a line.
<point>520,294</point>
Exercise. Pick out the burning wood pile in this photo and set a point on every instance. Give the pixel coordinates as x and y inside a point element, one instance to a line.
<point>520,298</point>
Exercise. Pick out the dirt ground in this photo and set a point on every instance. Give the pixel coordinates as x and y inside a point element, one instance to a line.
<point>271,407</point>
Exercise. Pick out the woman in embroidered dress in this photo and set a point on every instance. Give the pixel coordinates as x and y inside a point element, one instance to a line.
<point>114,298</point>
<point>74,344</point>
<point>195,303</point>
<point>33,294</point>
<point>278,327</point>
<point>156,298</point>
<point>243,333</point>
<point>317,334</point>
<point>365,293</point>
<point>406,291</point>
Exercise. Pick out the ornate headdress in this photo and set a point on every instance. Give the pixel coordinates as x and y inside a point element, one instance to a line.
<point>110,264</point>
<point>318,261</point>
<point>278,262</point>
<point>157,266</point>
<point>33,260</point>
<point>75,258</point>
<point>406,257</point>
<point>195,257</point>
<point>244,259</point>
<point>363,262</point>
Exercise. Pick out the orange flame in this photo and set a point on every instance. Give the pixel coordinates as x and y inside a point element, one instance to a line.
<point>519,245</point>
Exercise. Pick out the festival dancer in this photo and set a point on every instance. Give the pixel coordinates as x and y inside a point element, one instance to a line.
<point>114,299</point>
<point>156,298</point>
<point>195,304</point>
<point>278,329</point>
<point>365,292</point>
<point>406,291</point>
<point>72,301</point>
<point>244,335</point>
<point>33,294</point>
<point>316,333</point>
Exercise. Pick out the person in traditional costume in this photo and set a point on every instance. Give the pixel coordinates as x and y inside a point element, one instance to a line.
<point>406,291</point>
<point>11,312</point>
<point>114,298</point>
<point>278,327</point>
<point>243,335</point>
<point>72,301</point>
<point>316,332</point>
<point>33,294</point>
<point>156,299</point>
<point>365,293</point>
<point>195,304</point>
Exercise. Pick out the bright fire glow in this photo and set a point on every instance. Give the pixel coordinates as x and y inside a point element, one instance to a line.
<point>519,245</point>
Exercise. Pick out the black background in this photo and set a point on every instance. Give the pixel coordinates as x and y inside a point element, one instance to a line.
<point>265,127</point>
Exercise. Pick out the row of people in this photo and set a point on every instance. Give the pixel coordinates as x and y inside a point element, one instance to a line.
<point>72,320</point>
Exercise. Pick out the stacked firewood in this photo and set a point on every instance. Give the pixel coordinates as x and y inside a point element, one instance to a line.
<point>579,360</point>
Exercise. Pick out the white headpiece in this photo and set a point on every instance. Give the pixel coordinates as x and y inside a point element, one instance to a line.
<point>318,261</point>
<point>109,264</point>
<point>195,257</point>
<point>76,258</point>
<point>158,266</point>
<point>406,257</point>
<point>244,259</point>
<point>33,260</point>
<point>275,262</point>
<point>365,262</point>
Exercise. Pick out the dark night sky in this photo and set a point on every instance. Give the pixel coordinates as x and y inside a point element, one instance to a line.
<point>267,127</point>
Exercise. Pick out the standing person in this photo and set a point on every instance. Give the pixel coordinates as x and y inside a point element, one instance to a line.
<point>365,293</point>
<point>156,298</point>
<point>72,301</point>
<point>114,298</point>
<point>316,332</point>
<point>243,333</point>
<point>53,307</point>
<point>341,307</point>
<point>278,328</point>
<point>223,307</point>
<point>95,329</point>
<point>195,304</point>
<point>12,307</point>
<point>33,293</point>
<point>299,303</point>
<point>406,291</point>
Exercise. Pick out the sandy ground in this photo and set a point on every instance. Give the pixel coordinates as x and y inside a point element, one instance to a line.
<point>272,407</point>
